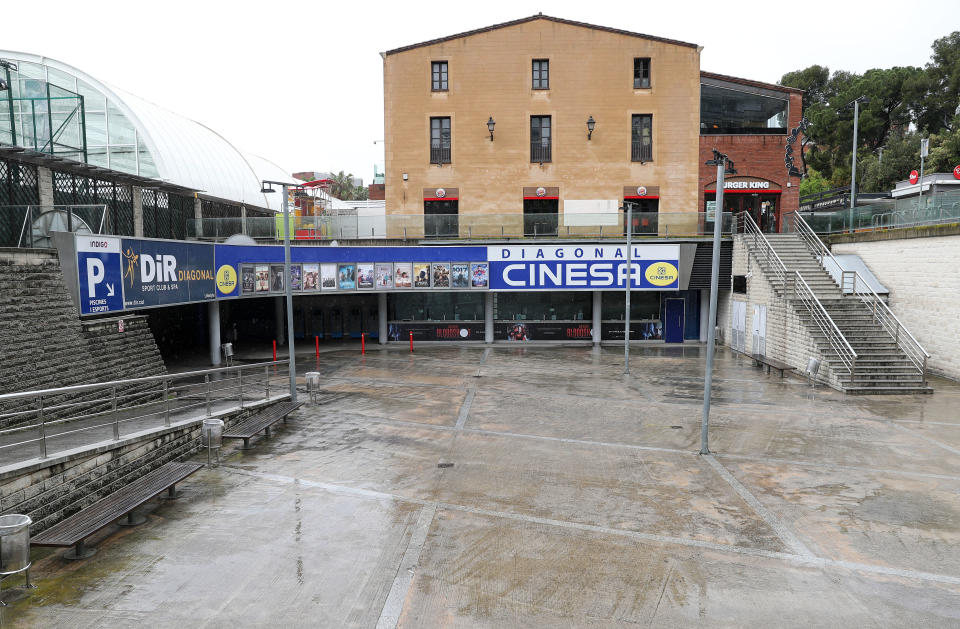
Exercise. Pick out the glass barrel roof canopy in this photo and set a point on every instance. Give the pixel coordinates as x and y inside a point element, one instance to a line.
<point>129,134</point>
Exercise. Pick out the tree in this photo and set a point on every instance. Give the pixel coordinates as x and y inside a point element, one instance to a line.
<point>813,183</point>
<point>812,81</point>
<point>936,94</point>
<point>900,156</point>
<point>341,186</point>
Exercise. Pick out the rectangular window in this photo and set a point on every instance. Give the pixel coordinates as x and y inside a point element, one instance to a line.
<point>540,148</point>
<point>439,76</point>
<point>541,74</point>
<point>641,72</point>
<point>440,140</point>
<point>730,111</point>
<point>642,138</point>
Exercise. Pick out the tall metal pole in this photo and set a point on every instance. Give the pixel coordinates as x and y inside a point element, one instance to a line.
<point>853,166</point>
<point>626,316</point>
<point>923,153</point>
<point>712,319</point>
<point>289,291</point>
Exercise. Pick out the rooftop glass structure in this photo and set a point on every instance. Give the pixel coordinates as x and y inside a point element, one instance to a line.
<point>55,108</point>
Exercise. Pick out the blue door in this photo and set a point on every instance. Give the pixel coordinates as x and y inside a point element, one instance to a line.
<point>673,321</point>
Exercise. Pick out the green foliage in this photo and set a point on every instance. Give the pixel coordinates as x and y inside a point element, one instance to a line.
<point>813,183</point>
<point>944,150</point>
<point>341,187</point>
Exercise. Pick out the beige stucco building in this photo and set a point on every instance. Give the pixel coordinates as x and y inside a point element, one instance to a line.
<point>540,79</point>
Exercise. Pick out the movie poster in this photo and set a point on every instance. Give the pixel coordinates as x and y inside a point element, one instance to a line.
<point>263,278</point>
<point>365,275</point>
<point>384,275</point>
<point>248,278</point>
<point>480,275</point>
<point>276,278</point>
<point>296,277</point>
<point>346,276</point>
<point>421,275</point>
<point>403,274</point>
<point>441,275</point>
<point>311,277</point>
<point>328,277</point>
<point>460,275</point>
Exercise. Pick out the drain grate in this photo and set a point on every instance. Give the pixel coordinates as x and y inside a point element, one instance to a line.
<point>444,465</point>
<point>676,427</point>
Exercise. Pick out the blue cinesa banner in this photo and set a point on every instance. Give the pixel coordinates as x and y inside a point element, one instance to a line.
<point>588,267</point>
<point>164,272</point>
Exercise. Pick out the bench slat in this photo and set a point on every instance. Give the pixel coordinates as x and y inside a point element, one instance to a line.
<point>261,420</point>
<point>91,519</point>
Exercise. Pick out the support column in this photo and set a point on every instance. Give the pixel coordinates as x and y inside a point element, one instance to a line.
<point>45,186</point>
<point>281,323</point>
<point>198,214</point>
<point>704,314</point>
<point>213,323</point>
<point>597,311</point>
<point>382,316</point>
<point>137,211</point>
<point>488,317</point>
<point>243,219</point>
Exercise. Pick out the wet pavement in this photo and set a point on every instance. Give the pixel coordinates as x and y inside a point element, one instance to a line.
<point>536,486</point>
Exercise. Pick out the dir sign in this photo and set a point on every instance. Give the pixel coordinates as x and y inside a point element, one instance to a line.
<point>99,274</point>
<point>161,272</point>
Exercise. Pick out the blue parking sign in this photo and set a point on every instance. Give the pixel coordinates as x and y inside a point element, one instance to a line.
<point>100,274</point>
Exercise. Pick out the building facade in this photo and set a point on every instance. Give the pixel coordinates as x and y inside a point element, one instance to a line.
<point>752,123</point>
<point>540,126</point>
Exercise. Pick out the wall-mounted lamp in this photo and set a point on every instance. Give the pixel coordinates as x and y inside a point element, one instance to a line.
<point>591,123</point>
<point>490,124</point>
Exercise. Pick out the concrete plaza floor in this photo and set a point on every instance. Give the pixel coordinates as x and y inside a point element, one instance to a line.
<point>532,486</point>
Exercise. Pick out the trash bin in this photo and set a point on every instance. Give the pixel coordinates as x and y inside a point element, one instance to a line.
<point>313,384</point>
<point>211,433</point>
<point>14,544</point>
<point>227,353</point>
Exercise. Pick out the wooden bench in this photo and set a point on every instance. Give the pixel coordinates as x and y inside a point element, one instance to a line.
<point>771,363</point>
<point>84,523</point>
<point>261,420</point>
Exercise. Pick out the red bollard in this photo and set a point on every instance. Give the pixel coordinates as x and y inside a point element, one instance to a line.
<point>363,343</point>
<point>317,339</point>
<point>411,342</point>
<point>274,350</point>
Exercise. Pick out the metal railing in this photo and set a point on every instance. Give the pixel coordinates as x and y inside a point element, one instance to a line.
<point>932,209</point>
<point>862,290</point>
<point>794,286</point>
<point>30,226</point>
<point>43,422</point>
<point>439,154</point>
<point>541,151</point>
<point>640,152</point>
<point>464,226</point>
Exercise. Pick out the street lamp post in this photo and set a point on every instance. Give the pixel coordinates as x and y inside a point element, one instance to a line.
<point>626,316</point>
<point>288,290</point>
<point>853,166</point>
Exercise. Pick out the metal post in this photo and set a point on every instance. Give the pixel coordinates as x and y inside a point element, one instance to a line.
<point>206,380</point>
<point>43,431</point>
<point>116,416</point>
<point>629,285</point>
<point>266,383</point>
<point>712,322</point>
<point>289,291</point>
<point>240,384</point>
<point>923,147</point>
<point>166,402</point>
<point>853,166</point>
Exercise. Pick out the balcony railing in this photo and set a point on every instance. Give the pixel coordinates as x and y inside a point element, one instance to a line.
<point>930,209</point>
<point>541,152</point>
<point>465,226</point>
<point>640,152</point>
<point>439,154</point>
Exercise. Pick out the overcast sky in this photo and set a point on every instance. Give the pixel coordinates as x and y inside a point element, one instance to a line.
<point>300,83</point>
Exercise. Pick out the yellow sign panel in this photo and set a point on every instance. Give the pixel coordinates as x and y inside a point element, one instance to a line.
<point>226,279</point>
<point>662,274</point>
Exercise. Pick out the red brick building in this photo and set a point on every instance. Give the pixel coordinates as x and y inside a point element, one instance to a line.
<point>750,121</point>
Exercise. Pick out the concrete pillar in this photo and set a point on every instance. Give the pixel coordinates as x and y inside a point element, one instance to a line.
<point>704,314</point>
<point>213,323</point>
<point>198,214</point>
<point>597,311</point>
<point>488,317</point>
<point>382,316</point>
<point>243,219</point>
<point>281,321</point>
<point>45,186</point>
<point>137,211</point>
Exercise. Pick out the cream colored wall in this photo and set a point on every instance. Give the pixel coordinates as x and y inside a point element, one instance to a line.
<point>591,73</point>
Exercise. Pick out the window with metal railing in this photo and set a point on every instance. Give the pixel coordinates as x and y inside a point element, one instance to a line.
<point>641,146</point>
<point>440,140</point>
<point>540,139</point>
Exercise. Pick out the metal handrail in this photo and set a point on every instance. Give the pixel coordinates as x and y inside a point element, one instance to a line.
<point>775,267</point>
<point>106,404</point>
<point>881,311</point>
<point>838,342</point>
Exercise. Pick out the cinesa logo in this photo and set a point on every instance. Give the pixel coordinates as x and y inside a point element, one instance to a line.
<point>662,274</point>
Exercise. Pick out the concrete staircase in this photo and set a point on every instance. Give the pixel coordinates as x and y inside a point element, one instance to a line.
<point>882,367</point>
